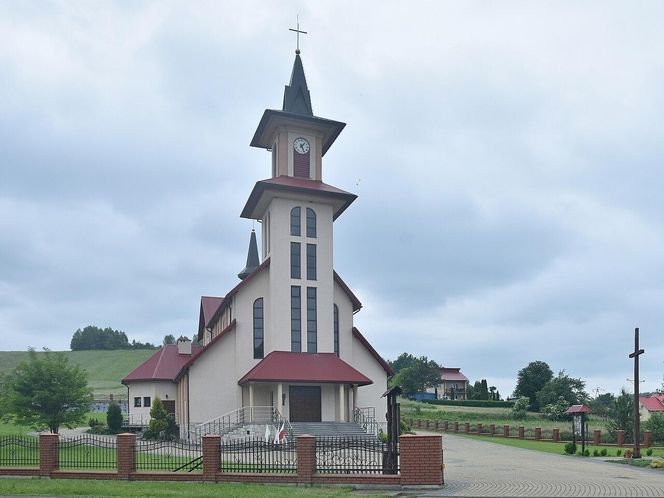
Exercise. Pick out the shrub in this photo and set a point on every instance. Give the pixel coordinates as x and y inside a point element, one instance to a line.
<point>570,448</point>
<point>162,426</point>
<point>404,428</point>
<point>596,452</point>
<point>520,408</point>
<point>557,410</point>
<point>618,452</point>
<point>604,452</point>
<point>94,422</point>
<point>657,464</point>
<point>655,424</point>
<point>649,452</point>
<point>114,418</point>
<point>585,453</point>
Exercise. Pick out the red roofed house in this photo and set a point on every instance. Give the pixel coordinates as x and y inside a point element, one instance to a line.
<point>283,337</point>
<point>453,384</point>
<point>651,404</point>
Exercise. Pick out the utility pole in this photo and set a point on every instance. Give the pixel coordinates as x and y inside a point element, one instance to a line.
<point>637,416</point>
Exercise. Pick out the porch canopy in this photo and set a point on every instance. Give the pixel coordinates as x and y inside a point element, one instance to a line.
<point>285,366</point>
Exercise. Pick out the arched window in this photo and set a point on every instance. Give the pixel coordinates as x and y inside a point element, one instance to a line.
<point>336,330</point>
<point>258,328</point>
<point>311,223</point>
<point>295,221</point>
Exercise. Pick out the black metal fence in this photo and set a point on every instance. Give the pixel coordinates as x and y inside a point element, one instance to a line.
<point>19,451</point>
<point>172,456</point>
<point>88,452</point>
<point>254,455</point>
<point>352,455</point>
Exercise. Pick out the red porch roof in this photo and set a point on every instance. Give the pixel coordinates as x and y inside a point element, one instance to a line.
<point>651,403</point>
<point>285,366</point>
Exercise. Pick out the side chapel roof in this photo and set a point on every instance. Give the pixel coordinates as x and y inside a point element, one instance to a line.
<point>165,364</point>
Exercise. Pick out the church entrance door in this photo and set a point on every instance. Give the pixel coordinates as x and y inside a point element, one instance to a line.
<point>305,403</point>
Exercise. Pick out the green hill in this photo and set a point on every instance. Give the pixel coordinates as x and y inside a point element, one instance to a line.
<point>105,368</point>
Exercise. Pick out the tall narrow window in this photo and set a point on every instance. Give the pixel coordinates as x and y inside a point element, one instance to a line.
<point>295,271</point>
<point>311,261</point>
<point>295,221</point>
<point>258,328</point>
<point>311,223</point>
<point>336,330</point>
<point>296,319</point>
<point>274,160</point>
<point>312,332</point>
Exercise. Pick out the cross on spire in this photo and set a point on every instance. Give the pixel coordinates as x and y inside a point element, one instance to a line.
<point>298,31</point>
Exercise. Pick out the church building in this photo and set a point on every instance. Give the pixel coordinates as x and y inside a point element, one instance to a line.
<point>283,337</point>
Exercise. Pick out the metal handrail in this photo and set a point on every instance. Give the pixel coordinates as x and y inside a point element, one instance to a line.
<point>240,417</point>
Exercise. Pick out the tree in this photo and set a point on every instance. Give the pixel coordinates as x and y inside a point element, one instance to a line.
<point>492,393</point>
<point>45,391</point>
<point>416,378</point>
<point>655,424</point>
<point>569,388</point>
<point>621,415</point>
<point>520,408</point>
<point>557,410</point>
<point>92,337</point>
<point>114,418</point>
<point>475,391</point>
<point>169,339</point>
<point>161,425</point>
<point>532,379</point>
<point>404,360</point>
<point>602,404</point>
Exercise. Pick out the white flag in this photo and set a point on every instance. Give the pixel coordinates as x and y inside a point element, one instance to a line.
<point>276,434</point>
<point>267,433</point>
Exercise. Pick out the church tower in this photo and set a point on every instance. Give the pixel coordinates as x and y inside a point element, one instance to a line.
<point>297,210</point>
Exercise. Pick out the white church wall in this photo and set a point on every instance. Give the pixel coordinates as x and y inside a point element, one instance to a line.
<point>370,396</point>
<point>345,324</point>
<point>165,390</point>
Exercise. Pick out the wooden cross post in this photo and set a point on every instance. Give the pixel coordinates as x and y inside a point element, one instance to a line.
<point>637,417</point>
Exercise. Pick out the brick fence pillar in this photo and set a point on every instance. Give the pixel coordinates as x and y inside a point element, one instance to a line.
<point>647,439</point>
<point>211,456</point>
<point>436,426</point>
<point>126,454</point>
<point>620,438</point>
<point>456,426</point>
<point>521,432</point>
<point>49,453</point>
<point>466,427</point>
<point>479,428</point>
<point>421,460</point>
<point>306,458</point>
<point>538,433</point>
<point>506,431</point>
<point>492,429</point>
<point>446,425</point>
<point>555,435</point>
<point>597,437</point>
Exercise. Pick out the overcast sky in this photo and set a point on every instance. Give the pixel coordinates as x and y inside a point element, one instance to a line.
<point>507,158</point>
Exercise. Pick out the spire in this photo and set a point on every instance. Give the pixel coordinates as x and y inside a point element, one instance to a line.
<point>252,257</point>
<point>296,95</point>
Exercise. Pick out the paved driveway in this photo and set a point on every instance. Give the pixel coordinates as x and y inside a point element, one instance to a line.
<point>477,468</point>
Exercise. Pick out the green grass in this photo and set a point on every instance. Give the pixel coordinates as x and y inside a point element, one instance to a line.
<point>486,416</point>
<point>558,448</point>
<point>105,368</point>
<point>85,487</point>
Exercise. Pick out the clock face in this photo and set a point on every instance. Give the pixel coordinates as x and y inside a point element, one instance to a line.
<point>301,145</point>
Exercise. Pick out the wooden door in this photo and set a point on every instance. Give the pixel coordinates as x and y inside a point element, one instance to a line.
<point>169,406</point>
<point>305,403</point>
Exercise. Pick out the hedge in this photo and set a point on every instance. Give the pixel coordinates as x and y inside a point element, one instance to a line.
<point>470,402</point>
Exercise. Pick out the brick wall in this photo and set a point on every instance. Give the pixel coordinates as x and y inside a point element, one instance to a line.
<point>421,460</point>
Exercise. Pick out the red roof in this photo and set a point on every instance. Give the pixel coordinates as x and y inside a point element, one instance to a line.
<point>453,374</point>
<point>254,208</point>
<point>652,403</point>
<point>165,364</point>
<point>374,353</point>
<point>209,306</point>
<point>284,366</point>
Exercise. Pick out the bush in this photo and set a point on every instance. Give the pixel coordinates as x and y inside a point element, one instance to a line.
<point>94,422</point>
<point>618,452</point>
<point>585,453</point>
<point>557,410</point>
<point>657,464</point>
<point>162,426</point>
<point>404,428</point>
<point>470,402</point>
<point>570,448</point>
<point>649,452</point>
<point>655,424</point>
<point>114,418</point>
<point>604,452</point>
<point>520,408</point>
<point>596,452</point>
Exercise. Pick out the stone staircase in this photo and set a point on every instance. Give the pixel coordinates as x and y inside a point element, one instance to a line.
<point>330,429</point>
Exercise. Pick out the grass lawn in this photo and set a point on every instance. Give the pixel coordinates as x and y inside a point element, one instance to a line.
<point>10,429</point>
<point>549,447</point>
<point>84,487</point>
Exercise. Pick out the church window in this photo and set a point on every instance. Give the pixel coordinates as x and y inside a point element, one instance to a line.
<point>296,319</point>
<point>312,333</point>
<point>311,261</point>
<point>295,271</point>
<point>258,328</point>
<point>274,160</point>
<point>267,233</point>
<point>311,223</point>
<point>137,402</point>
<point>146,401</point>
<point>295,221</point>
<point>336,330</point>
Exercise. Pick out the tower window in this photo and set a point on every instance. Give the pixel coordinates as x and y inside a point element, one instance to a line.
<point>295,271</point>
<point>274,160</point>
<point>295,221</point>
<point>296,319</point>
<point>312,333</point>
<point>258,328</point>
<point>336,330</point>
<point>311,223</point>
<point>311,261</point>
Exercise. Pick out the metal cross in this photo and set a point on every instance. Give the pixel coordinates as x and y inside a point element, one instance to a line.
<point>637,422</point>
<point>298,31</point>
